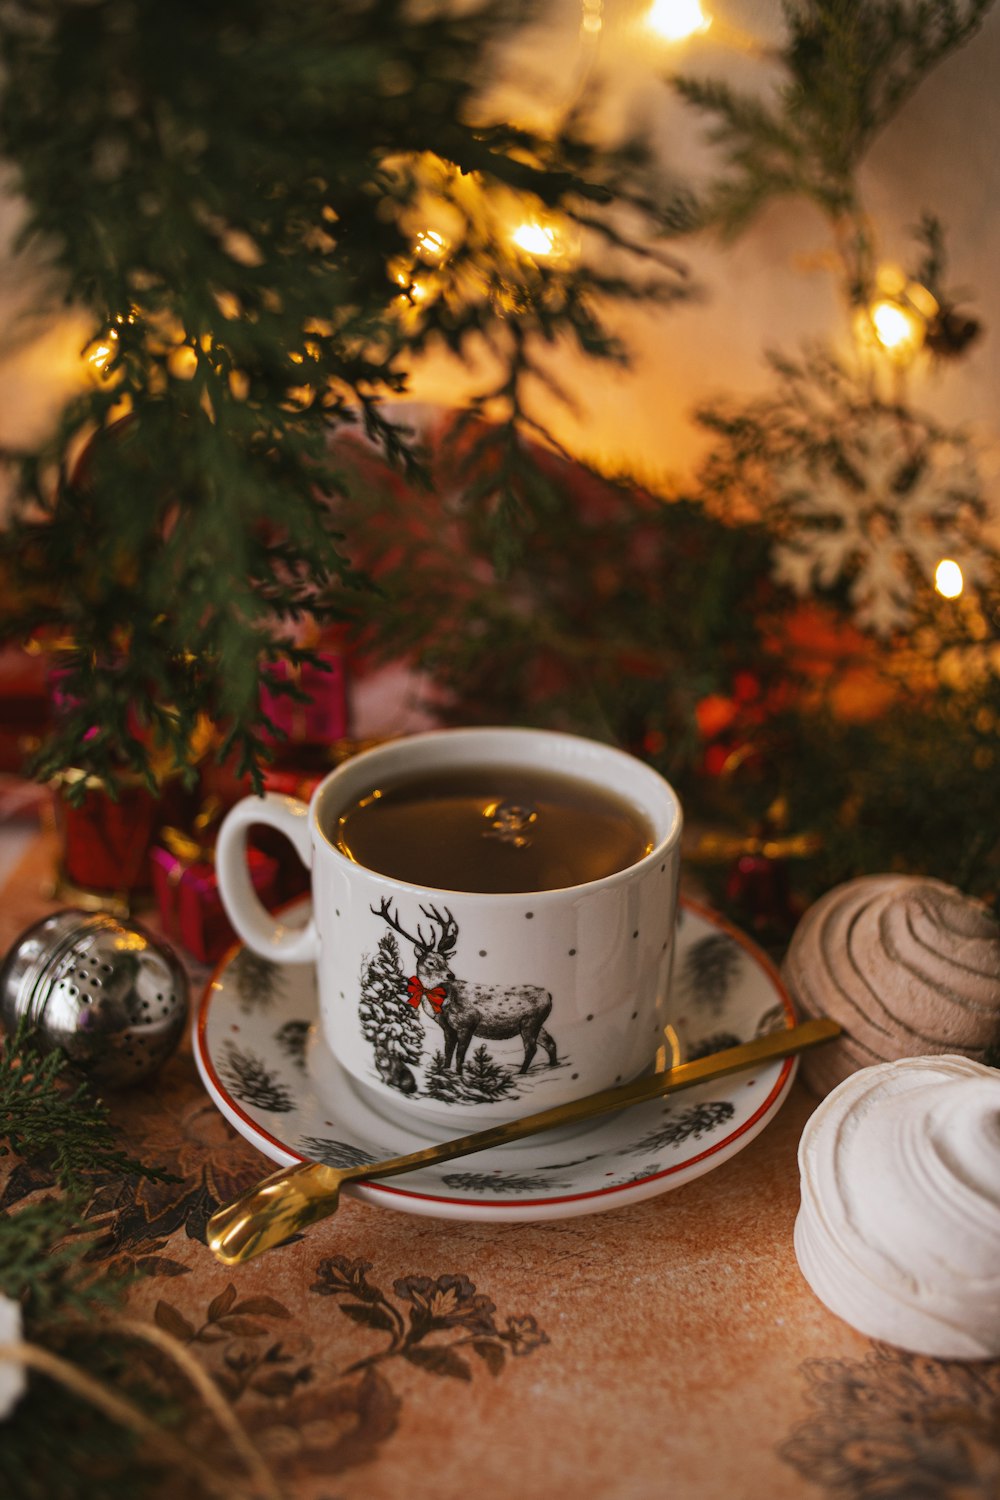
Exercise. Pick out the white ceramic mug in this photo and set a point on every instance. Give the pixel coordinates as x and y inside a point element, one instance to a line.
<point>458,1009</point>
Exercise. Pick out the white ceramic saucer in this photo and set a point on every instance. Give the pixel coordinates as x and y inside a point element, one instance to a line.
<point>259,1052</point>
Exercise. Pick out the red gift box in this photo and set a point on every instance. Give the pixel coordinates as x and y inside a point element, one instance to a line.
<point>187,897</point>
<point>25,715</point>
<point>291,783</point>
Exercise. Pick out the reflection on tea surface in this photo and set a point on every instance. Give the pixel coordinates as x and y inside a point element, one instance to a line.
<point>492,828</point>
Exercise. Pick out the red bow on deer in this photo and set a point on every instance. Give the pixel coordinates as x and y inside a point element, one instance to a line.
<point>415,992</point>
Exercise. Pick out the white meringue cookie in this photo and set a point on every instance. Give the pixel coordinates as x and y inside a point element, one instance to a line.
<point>898,1231</point>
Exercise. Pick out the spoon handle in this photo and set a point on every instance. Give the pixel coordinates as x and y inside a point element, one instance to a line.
<point>652,1086</point>
<point>300,1195</point>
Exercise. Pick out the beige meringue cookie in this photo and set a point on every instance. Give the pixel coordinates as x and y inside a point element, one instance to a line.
<point>909,967</point>
<point>898,1230</point>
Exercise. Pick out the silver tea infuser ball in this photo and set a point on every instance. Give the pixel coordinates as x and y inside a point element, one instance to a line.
<point>105,991</point>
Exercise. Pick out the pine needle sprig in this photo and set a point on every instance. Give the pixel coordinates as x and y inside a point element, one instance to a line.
<point>54,1122</point>
<point>848,67</point>
<point>242,229</point>
<point>44,1247</point>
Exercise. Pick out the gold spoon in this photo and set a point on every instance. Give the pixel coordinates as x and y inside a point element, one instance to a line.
<point>298,1196</point>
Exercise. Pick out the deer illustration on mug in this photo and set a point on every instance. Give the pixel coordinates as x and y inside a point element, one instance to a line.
<point>463,1009</point>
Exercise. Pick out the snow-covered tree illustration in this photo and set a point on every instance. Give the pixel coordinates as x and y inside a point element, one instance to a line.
<point>481,1082</point>
<point>388,1020</point>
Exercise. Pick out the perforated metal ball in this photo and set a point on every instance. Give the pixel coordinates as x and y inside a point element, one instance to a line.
<point>109,994</point>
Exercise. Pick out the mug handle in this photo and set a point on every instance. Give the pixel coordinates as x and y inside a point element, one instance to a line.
<point>264,933</point>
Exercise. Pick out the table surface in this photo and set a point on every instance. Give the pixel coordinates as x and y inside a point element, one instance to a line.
<point>669,1347</point>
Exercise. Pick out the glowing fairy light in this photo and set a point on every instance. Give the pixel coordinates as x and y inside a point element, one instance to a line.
<point>101,351</point>
<point>545,237</point>
<point>104,348</point>
<point>182,362</point>
<point>897,317</point>
<point>537,240</point>
<point>415,288</point>
<point>534,239</point>
<point>899,329</point>
<point>948,578</point>
<point>675,20</point>
<point>431,246</point>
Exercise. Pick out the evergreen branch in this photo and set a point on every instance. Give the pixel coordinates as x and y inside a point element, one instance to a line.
<point>849,67</point>
<point>43,1250</point>
<point>234,225</point>
<point>45,1118</point>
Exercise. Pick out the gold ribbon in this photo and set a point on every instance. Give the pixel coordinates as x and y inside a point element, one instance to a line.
<point>770,841</point>
<point>722,848</point>
<point>194,847</point>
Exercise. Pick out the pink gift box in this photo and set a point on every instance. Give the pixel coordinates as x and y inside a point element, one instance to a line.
<point>320,721</point>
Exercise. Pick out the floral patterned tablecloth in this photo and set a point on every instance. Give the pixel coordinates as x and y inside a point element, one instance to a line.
<point>668,1348</point>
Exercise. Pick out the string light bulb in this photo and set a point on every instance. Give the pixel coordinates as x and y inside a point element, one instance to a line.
<point>544,237</point>
<point>414,288</point>
<point>676,20</point>
<point>418,290</point>
<point>897,318</point>
<point>899,329</point>
<point>537,240</point>
<point>182,362</point>
<point>948,578</point>
<point>101,350</point>
<point>431,246</point>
